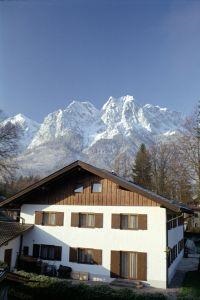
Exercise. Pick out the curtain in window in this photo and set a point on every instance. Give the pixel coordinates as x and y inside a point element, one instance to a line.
<point>132,221</point>
<point>132,265</point>
<point>85,256</point>
<point>83,220</point>
<point>124,221</point>
<point>45,218</point>
<point>44,252</point>
<point>129,265</point>
<point>52,218</point>
<point>51,252</point>
<point>124,265</point>
<point>91,220</point>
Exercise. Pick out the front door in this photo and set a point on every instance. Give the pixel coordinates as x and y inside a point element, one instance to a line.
<point>8,257</point>
<point>128,265</point>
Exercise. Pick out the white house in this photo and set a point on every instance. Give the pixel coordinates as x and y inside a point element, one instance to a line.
<point>96,222</point>
<point>11,234</point>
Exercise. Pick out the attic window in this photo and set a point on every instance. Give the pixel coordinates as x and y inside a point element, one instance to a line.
<point>96,187</point>
<point>78,188</point>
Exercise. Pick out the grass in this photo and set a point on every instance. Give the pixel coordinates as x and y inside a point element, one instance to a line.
<point>191,286</point>
<point>44,287</point>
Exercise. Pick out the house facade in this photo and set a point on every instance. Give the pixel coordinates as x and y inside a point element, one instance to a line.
<point>11,233</point>
<point>101,225</point>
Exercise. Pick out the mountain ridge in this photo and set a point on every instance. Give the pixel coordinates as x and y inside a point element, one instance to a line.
<point>98,136</point>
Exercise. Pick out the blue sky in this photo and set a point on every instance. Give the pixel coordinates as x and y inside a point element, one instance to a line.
<point>54,51</point>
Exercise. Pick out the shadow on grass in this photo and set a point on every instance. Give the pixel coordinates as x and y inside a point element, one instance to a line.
<point>191,286</point>
<point>43,287</point>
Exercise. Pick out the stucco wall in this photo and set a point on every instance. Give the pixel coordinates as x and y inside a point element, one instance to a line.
<point>14,245</point>
<point>152,241</point>
<point>174,236</point>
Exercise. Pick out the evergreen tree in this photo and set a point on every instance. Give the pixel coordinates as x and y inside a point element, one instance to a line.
<point>141,171</point>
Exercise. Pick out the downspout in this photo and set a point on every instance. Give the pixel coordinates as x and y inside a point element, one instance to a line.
<point>20,251</point>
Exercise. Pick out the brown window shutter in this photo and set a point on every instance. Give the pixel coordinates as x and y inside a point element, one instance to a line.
<point>38,217</point>
<point>99,220</point>
<point>115,264</point>
<point>142,222</point>
<point>59,218</point>
<point>141,266</point>
<point>75,219</point>
<point>73,254</point>
<point>58,253</point>
<point>116,221</point>
<point>97,254</point>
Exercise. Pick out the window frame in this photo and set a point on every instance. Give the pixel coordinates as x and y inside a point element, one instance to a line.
<point>98,183</point>
<point>48,248</point>
<point>86,214</point>
<point>85,262</point>
<point>43,218</point>
<point>129,216</point>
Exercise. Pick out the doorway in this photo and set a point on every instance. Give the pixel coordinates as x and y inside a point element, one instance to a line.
<point>8,257</point>
<point>128,265</point>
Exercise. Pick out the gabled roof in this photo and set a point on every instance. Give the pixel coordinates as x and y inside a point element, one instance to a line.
<point>170,204</point>
<point>10,230</point>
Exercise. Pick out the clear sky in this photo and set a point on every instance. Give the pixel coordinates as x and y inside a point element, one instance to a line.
<point>54,51</point>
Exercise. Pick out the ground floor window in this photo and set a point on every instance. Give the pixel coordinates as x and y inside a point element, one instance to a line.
<point>47,252</point>
<point>85,256</point>
<point>128,263</point>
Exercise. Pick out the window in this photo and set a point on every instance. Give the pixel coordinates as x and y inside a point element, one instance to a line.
<point>128,265</point>
<point>96,187</point>
<point>87,220</point>
<point>49,218</point>
<point>78,188</point>
<point>47,252</point>
<point>129,222</point>
<point>85,256</point>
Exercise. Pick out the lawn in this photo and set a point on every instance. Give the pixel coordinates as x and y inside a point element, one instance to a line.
<point>43,287</point>
<point>191,286</point>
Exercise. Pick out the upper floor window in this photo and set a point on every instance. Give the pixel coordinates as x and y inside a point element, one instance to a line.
<point>129,222</point>
<point>97,187</point>
<point>87,220</point>
<point>47,218</point>
<point>78,188</point>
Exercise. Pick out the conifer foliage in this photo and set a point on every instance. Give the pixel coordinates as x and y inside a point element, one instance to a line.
<point>141,171</point>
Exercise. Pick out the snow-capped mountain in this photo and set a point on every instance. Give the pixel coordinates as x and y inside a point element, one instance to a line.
<point>100,137</point>
<point>27,129</point>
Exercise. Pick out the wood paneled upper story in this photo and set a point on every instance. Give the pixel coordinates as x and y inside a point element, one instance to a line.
<point>59,188</point>
<point>62,193</point>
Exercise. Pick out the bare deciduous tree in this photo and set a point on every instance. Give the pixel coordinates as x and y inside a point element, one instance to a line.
<point>189,143</point>
<point>170,176</point>
<point>9,134</point>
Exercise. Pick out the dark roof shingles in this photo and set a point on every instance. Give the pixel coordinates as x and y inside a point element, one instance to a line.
<point>10,230</point>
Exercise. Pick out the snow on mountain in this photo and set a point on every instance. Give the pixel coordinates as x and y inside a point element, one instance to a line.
<point>81,131</point>
<point>27,129</point>
<point>76,119</point>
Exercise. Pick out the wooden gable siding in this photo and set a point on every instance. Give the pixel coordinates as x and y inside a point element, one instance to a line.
<point>62,193</point>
